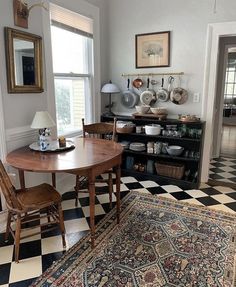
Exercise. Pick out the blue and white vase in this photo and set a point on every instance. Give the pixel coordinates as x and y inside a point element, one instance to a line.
<point>43,143</point>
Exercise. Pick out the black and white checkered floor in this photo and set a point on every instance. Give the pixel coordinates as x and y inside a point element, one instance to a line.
<point>37,253</point>
<point>223,169</point>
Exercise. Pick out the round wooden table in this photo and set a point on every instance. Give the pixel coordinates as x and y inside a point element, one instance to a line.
<point>90,157</point>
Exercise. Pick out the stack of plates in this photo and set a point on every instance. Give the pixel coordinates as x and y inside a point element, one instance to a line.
<point>137,146</point>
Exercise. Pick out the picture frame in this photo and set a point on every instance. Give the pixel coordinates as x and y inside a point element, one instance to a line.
<point>152,50</point>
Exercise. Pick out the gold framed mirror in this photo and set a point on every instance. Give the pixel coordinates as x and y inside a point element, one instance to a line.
<point>24,61</point>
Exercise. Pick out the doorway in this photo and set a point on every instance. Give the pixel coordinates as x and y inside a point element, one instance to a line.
<point>223,163</point>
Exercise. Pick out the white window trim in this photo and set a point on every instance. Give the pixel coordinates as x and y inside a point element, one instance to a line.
<point>214,31</point>
<point>3,149</point>
<point>87,10</point>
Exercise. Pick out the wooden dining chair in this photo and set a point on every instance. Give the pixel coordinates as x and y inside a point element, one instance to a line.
<point>105,131</point>
<point>30,206</point>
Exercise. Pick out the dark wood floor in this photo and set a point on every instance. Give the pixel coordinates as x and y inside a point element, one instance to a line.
<point>228,142</point>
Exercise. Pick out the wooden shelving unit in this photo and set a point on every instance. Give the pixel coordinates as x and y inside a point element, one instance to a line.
<point>192,174</point>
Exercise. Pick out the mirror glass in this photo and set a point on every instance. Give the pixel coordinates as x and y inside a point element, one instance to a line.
<point>24,61</point>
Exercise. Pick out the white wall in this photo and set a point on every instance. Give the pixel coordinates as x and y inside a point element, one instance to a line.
<point>19,109</point>
<point>119,22</point>
<point>187,21</point>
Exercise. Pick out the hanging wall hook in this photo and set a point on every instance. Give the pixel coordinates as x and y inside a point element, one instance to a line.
<point>21,12</point>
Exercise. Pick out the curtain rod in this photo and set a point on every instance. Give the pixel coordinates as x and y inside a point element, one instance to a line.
<point>151,74</point>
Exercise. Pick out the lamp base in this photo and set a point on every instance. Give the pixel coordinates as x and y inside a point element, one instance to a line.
<point>108,114</point>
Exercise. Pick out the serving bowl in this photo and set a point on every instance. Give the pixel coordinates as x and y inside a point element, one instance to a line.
<point>174,150</point>
<point>143,109</point>
<point>124,127</point>
<point>159,111</point>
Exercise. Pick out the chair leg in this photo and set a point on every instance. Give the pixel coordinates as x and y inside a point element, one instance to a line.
<point>8,226</point>
<point>17,238</point>
<point>77,190</point>
<point>62,225</point>
<point>110,185</point>
<point>48,215</point>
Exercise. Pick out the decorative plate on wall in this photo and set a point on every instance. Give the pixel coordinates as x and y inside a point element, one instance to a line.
<point>179,96</point>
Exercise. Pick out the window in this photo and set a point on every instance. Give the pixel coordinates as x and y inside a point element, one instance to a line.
<point>72,45</point>
<point>230,81</point>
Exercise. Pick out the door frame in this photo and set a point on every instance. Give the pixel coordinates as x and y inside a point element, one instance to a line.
<point>224,44</point>
<point>214,32</point>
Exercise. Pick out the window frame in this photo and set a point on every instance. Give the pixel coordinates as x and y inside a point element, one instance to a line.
<point>86,10</point>
<point>87,76</point>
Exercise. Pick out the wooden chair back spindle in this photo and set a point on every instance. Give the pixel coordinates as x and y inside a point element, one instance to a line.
<point>105,131</point>
<point>8,189</point>
<point>29,205</point>
<point>100,130</point>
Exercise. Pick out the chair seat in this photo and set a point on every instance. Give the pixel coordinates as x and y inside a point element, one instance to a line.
<point>39,196</point>
<point>30,205</point>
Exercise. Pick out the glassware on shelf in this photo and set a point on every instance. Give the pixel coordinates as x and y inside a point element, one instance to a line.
<point>163,149</point>
<point>158,147</point>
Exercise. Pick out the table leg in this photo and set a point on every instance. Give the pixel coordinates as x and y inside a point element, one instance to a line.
<point>118,171</point>
<point>91,180</point>
<point>22,178</point>
<point>53,179</point>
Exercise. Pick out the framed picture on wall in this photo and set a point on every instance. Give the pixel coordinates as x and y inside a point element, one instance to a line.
<point>152,50</point>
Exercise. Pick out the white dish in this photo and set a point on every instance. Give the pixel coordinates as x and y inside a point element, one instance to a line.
<point>152,129</point>
<point>143,109</point>
<point>137,146</point>
<point>174,150</point>
<point>159,111</point>
<point>53,146</point>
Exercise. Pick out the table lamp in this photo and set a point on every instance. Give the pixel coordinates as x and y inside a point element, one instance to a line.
<point>43,122</point>
<point>110,88</point>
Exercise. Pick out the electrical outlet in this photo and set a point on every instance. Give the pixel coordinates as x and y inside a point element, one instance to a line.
<point>196,97</point>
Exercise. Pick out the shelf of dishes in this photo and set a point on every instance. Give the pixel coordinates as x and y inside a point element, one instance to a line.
<point>143,135</point>
<point>173,170</point>
<point>161,149</point>
<point>173,130</point>
<point>191,155</point>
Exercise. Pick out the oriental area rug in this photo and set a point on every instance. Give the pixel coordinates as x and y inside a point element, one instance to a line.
<point>159,242</point>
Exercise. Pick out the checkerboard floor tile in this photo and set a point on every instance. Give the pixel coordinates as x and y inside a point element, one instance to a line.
<point>38,253</point>
<point>223,169</point>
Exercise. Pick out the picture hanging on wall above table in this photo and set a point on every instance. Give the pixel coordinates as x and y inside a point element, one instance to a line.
<point>152,50</point>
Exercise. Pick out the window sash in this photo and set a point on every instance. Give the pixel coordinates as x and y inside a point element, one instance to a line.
<point>71,75</point>
<point>71,20</point>
<point>87,98</point>
<point>71,29</point>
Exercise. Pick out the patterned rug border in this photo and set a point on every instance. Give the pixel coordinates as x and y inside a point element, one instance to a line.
<point>108,223</point>
<point>216,212</point>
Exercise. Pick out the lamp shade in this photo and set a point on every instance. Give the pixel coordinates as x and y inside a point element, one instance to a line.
<point>42,120</point>
<point>110,88</point>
